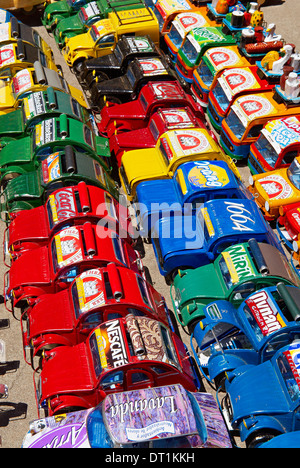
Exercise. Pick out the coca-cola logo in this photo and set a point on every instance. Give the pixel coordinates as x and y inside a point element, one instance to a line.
<point>65,207</point>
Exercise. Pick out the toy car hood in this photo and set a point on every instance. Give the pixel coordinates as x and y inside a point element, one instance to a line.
<point>14,30</point>
<point>202,38</point>
<point>281,133</point>
<point>221,58</point>
<point>128,421</point>
<point>292,216</point>
<point>253,386</point>
<point>253,106</point>
<point>20,149</point>
<point>236,81</point>
<point>275,187</point>
<point>188,20</point>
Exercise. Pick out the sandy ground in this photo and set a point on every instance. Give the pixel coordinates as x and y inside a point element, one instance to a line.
<point>16,374</point>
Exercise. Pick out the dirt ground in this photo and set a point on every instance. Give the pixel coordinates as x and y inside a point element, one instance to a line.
<point>20,408</point>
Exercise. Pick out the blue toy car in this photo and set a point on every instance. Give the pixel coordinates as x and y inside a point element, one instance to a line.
<point>194,182</point>
<point>287,440</point>
<point>229,337</point>
<point>195,240</point>
<point>263,401</point>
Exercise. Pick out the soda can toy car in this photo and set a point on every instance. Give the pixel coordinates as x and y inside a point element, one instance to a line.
<point>196,43</point>
<point>192,184</point>
<point>127,87</point>
<point>270,408</point>
<point>60,169</point>
<point>172,149</point>
<point>275,189</point>
<point>237,272</point>
<point>13,30</point>
<point>39,106</point>
<point>183,419</point>
<point>247,117</point>
<point>230,337</point>
<point>136,114</point>
<point>96,296</point>
<point>55,11</point>
<point>69,252</point>
<point>29,80</point>
<point>277,145</point>
<point>48,137</point>
<point>115,64</point>
<point>230,85</point>
<point>18,55</point>
<point>161,121</point>
<point>102,37</point>
<point>182,25</point>
<point>65,207</point>
<point>118,354</point>
<point>288,226</point>
<point>192,240</point>
<point>89,14</point>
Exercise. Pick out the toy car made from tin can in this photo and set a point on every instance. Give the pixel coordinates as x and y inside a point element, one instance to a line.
<point>213,62</point>
<point>196,42</point>
<point>191,240</point>
<point>66,207</point>
<point>182,25</point>
<point>230,85</point>
<point>56,11</point>
<point>172,149</point>
<point>13,30</point>
<point>277,145</point>
<point>192,184</point>
<point>246,119</point>
<point>237,272</point>
<point>127,87</point>
<point>29,80</point>
<point>89,14</point>
<point>96,296</point>
<point>136,114</point>
<point>270,408</point>
<point>39,106</point>
<point>288,227</point>
<point>276,189</point>
<point>18,55</point>
<point>60,169</point>
<point>198,423</point>
<point>229,337</point>
<point>160,122</point>
<point>102,37</point>
<point>49,136</point>
<point>69,252</point>
<point>115,64</point>
<point>117,355</point>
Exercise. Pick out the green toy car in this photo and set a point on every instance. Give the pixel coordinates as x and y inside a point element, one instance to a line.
<point>51,135</point>
<point>61,169</point>
<point>88,15</point>
<point>40,106</point>
<point>238,271</point>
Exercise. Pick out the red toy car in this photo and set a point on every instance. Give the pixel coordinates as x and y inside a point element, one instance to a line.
<point>135,114</point>
<point>68,206</point>
<point>69,252</point>
<point>160,122</point>
<point>288,226</point>
<point>119,355</point>
<point>96,296</point>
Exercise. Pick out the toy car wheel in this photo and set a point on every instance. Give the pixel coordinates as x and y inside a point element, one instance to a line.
<point>259,438</point>
<point>113,100</point>
<point>101,76</point>
<point>78,66</point>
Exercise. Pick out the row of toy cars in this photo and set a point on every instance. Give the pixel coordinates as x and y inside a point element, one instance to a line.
<point>91,324</point>
<point>239,271</point>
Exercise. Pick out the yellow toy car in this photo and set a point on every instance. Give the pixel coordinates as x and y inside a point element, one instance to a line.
<point>102,37</point>
<point>19,55</point>
<point>173,148</point>
<point>36,78</point>
<point>276,189</point>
